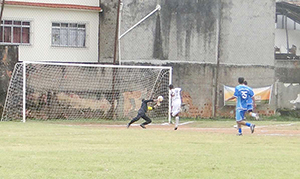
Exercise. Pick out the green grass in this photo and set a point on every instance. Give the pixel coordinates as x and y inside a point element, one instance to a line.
<point>38,149</point>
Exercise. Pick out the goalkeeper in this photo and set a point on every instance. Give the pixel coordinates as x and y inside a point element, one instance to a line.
<point>142,112</point>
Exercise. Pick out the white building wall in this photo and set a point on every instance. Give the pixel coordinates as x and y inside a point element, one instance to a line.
<point>41,25</point>
<point>75,2</point>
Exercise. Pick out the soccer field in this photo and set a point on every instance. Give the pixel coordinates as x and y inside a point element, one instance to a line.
<point>198,149</point>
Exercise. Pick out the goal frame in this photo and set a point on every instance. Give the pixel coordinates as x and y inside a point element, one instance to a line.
<point>83,65</point>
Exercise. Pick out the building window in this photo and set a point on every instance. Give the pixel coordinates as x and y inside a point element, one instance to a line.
<point>68,34</point>
<point>15,32</point>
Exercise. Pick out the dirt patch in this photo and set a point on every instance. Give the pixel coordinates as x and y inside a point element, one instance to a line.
<point>281,130</point>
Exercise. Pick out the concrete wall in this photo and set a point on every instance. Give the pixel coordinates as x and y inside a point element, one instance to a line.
<point>196,81</point>
<point>247,32</point>
<point>188,36</point>
<point>187,31</point>
<point>41,20</point>
<point>287,92</point>
<point>108,20</point>
<point>287,76</point>
<point>287,71</point>
<point>182,31</point>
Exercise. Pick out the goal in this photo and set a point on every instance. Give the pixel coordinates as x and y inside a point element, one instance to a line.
<point>47,91</point>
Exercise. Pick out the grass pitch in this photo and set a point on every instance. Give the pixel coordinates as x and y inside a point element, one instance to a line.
<point>202,149</point>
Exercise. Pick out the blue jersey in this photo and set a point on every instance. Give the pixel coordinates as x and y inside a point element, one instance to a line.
<point>250,100</point>
<point>243,94</point>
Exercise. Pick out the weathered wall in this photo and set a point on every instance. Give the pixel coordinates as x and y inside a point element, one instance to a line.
<point>287,92</point>
<point>8,59</point>
<point>247,32</point>
<point>287,71</point>
<point>108,19</point>
<point>182,31</point>
<point>191,36</point>
<point>187,31</point>
<point>287,75</point>
<point>197,83</point>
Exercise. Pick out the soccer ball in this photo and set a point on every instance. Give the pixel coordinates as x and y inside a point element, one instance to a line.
<point>160,98</point>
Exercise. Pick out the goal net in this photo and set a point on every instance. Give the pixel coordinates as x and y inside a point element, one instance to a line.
<point>47,91</point>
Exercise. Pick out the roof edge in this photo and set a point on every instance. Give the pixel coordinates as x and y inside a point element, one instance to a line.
<point>55,5</point>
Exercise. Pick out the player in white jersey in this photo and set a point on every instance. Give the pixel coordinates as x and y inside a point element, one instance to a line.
<point>175,103</point>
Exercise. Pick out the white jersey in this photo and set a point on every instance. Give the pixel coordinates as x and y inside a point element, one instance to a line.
<point>175,94</point>
<point>176,101</point>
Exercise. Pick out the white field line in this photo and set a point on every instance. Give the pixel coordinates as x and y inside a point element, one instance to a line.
<point>279,134</point>
<point>279,125</point>
<point>163,124</point>
<point>135,124</point>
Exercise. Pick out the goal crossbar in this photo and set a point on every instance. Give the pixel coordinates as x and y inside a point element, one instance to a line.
<point>97,65</point>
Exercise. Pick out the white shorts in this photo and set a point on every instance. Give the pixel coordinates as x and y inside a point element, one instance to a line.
<point>176,108</point>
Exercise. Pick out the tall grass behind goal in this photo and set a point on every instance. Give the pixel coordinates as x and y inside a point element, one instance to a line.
<point>48,91</point>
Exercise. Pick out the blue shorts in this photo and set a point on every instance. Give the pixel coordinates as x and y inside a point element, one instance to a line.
<point>239,115</point>
<point>249,107</point>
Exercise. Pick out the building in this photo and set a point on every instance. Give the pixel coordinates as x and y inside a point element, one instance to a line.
<point>65,31</point>
<point>287,33</point>
<point>287,61</point>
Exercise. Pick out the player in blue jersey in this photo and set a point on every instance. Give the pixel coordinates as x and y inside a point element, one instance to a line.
<point>250,105</point>
<point>242,93</point>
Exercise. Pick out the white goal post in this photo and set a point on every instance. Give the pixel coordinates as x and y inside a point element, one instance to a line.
<point>47,91</point>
